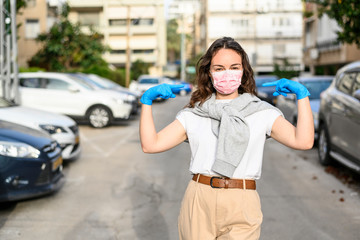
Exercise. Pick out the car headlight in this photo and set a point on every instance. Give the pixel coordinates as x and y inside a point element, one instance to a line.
<point>52,129</point>
<point>21,150</point>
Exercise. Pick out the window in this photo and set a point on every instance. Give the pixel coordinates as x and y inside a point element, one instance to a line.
<point>57,84</point>
<point>356,83</point>
<point>117,22</point>
<point>117,51</point>
<point>346,82</point>
<point>89,18</point>
<point>32,28</point>
<point>144,51</point>
<point>30,82</point>
<point>142,22</point>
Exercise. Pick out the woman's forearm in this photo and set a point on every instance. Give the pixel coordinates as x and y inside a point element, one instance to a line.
<point>305,124</point>
<point>148,133</point>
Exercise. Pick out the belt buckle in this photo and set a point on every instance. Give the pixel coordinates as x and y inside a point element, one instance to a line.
<point>211,181</point>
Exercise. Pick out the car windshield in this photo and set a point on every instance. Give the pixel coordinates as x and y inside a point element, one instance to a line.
<point>261,80</point>
<point>4,103</point>
<point>81,82</point>
<point>316,88</point>
<point>149,80</point>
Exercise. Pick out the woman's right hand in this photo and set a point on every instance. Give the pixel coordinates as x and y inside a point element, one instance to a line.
<point>163,91</point>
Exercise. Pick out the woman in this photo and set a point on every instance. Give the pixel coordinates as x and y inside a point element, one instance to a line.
<point>226,126</point>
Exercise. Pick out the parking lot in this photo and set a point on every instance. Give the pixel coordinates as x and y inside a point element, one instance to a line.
<point>115,191</point>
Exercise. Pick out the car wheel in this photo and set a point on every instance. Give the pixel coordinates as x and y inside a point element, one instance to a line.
<point>182,92</point>
<point>324,146</point>
<point>99,117</point>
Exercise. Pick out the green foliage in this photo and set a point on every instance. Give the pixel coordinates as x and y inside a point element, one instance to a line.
<point>138,68</point>
<point>285,70</point>
<point>347,15</point>
<point>32,69</point>
<point>173,40</point>
<point>66,48</point>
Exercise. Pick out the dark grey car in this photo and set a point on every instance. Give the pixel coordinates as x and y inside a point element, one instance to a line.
<point>339,119</point>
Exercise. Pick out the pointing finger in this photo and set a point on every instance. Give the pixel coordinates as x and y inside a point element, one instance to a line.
<point>268,84</point>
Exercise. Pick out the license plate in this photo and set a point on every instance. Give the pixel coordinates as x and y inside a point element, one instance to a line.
<point>77,139</point>
<point>57,163</point>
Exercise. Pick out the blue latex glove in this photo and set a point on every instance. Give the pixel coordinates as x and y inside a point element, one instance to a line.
<point>163,90</point>
<point>284,86</point>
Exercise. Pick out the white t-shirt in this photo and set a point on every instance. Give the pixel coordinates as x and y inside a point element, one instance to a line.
<point>203,143</point>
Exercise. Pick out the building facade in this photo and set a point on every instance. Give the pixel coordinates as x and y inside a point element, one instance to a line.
<point>38,17</point>
<point>270,31</point>
<point>323,54</point>
<point>132,29</point>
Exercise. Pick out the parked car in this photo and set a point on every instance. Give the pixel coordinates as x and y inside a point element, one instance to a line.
<point>61,128</point>
<point>316,85</point>
<point>30,163</point>
<point>339,119</point>
<point>266,93</point>
<point>72,96</point>
<point>184,90</point>
<point>144,82</point>
<point>102,83</point>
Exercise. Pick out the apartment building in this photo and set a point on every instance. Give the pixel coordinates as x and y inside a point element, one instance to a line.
<point>269,30</point>
<point>38,17</point>
<point>133,29</point>
<point>323,54</point>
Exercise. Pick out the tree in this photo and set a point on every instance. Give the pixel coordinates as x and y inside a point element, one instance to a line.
<point>285,70</point>
<point>347,15</point>
<point>138,68</point>
<point>173,40</point>
<point>66,48</point>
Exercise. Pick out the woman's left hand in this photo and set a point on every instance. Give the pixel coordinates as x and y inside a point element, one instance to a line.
<point>284,86</point>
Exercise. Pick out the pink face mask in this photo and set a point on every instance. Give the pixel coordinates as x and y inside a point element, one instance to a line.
<point>228,81</point>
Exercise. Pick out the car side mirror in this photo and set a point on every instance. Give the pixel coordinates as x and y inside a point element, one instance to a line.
<point>73,89</point>
<point>357,94</point>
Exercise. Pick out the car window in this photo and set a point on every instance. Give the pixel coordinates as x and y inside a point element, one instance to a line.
<point>57,84</point>
<point>81,82</point>
<point>31,82</point>
<point>346,82</point>
<point>316,88</point>
<point>149,80</point>
<point>356,83</point>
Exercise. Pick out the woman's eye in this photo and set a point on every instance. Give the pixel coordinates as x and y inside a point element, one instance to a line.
<point>218,69</point>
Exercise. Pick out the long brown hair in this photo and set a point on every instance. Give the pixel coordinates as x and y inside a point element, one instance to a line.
<point>204,84</point>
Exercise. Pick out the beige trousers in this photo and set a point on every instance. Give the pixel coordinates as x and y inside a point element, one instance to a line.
<point>209,213</point>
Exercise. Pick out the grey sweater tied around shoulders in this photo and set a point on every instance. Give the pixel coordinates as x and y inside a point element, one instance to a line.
<point>229,125</point>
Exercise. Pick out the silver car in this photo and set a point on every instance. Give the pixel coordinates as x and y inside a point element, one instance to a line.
<point>61,128</point>
<point>339,119</point>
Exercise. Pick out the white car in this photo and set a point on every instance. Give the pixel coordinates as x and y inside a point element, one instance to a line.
<point>72,96</point>
<point>61,128</point>
<point>145,82</point>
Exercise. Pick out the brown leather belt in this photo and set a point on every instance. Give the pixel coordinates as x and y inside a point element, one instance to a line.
<point>224,182</point>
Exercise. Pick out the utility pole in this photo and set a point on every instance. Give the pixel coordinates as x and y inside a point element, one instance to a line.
<point>8,51</point>
<point>183,58</point>
<point>128,50</point>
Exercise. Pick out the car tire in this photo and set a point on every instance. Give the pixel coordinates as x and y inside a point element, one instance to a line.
<point>324,146</point>
<point>99,116</point>
<point>183,92</point>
